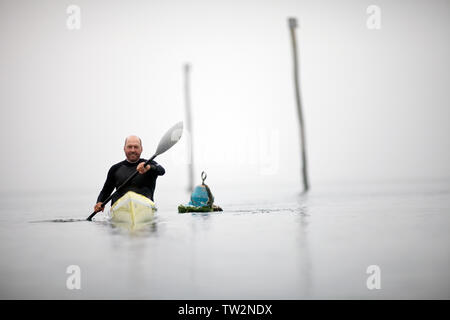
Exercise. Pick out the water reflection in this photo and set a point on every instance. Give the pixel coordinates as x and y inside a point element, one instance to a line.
<point>305,255</point>
<point>143,229</point>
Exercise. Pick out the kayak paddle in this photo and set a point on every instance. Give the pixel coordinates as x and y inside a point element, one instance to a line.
<point>167,141</point>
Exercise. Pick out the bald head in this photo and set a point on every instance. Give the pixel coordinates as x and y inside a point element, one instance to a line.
<point>133,148</point>
<point>133,139</point>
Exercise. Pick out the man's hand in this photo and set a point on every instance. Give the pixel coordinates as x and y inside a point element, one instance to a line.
<point>142,169</point>
<point>98,207</point>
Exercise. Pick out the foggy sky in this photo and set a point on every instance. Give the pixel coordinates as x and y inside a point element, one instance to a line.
<point>376,102</point>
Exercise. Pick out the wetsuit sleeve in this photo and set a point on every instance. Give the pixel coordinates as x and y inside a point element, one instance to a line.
<point>108,187</point>
<point>159,170</point>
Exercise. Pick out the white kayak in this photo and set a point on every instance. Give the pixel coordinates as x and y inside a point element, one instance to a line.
<point>133,208</point>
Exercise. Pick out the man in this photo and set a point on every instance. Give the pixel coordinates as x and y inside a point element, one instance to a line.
<point>144,183</point>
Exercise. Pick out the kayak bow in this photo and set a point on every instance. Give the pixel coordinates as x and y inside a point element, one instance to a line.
<point>133,208</point>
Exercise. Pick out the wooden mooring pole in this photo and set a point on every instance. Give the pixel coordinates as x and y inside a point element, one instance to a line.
<point>187,103</point>
<point>292,26</point>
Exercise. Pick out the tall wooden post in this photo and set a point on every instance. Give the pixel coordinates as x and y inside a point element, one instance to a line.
<point>292,27</point>
<point>187,103</point>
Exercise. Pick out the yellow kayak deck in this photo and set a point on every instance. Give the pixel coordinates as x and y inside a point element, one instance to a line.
<point>133,208</point>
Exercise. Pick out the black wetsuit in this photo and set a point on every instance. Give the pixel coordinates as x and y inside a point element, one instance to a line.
<point>142,183</point>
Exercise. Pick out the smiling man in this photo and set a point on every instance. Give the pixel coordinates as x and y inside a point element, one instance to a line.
<point>144,183</point>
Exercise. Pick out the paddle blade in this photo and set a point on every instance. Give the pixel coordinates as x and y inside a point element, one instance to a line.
<point>170,138</point>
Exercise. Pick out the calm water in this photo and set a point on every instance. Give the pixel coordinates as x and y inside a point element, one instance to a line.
<point>265,245</point>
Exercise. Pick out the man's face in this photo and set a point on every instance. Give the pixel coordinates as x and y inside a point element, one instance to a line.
<point>133,149</point>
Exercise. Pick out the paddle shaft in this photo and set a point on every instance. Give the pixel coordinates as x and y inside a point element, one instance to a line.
<point>120,187</point>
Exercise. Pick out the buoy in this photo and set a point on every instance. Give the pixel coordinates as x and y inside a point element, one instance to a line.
<point>202,199</point>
